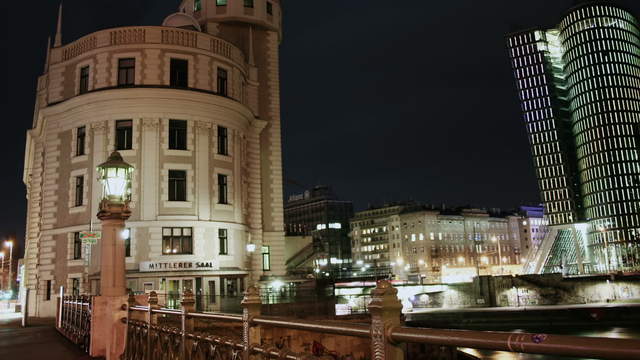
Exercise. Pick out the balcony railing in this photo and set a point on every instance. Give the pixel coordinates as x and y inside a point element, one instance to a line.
<point>154,332</point>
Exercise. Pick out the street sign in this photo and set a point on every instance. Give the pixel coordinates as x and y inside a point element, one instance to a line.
<point>90,237</point>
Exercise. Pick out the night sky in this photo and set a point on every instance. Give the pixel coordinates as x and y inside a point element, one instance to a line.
<point>383,100</point>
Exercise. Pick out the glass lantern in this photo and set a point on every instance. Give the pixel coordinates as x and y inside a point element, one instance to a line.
<point>115,176</point>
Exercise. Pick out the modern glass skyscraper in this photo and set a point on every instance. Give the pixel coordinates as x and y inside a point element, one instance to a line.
<point>579,85</point>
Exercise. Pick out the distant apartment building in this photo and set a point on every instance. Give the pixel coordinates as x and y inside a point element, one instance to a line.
<point>319,213</point>
<point>533,228</point>
<point>433,245</point>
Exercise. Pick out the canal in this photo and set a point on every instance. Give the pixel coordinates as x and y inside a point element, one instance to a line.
<point>611,332</point>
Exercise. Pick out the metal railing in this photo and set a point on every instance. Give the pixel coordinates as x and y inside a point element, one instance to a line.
<point>74,319</point>
<point>156,333</point>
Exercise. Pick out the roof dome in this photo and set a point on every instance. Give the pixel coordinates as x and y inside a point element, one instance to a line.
<point>181,20</point>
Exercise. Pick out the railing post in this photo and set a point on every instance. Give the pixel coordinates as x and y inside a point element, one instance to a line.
<point>385,309</point>
<point>252,305</point>
<point>61,297</point>
<point>151,320</point>
<point>188,305</point>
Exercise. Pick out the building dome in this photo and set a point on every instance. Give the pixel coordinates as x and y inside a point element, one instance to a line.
<point>181,20</point>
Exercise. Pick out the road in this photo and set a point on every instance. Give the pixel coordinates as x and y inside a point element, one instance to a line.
<point>38,341</point>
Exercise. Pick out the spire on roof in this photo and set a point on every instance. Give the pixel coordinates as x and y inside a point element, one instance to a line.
<point>58,39</point>
<point>46,61</point>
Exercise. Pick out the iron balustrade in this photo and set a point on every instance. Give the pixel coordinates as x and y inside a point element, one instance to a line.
<point>148,340</point>
<point>74,319</point>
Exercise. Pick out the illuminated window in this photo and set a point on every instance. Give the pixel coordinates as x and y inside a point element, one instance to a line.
<point>266,259</point>
<point>177,241</point>
<point>197,5</point>
<point>221,2</point>
<point>224,241</point>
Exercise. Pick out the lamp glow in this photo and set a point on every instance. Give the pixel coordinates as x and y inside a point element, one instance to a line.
<point>115,176</point>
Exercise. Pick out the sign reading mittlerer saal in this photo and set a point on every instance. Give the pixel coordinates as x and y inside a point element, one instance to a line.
<point>147,266</point>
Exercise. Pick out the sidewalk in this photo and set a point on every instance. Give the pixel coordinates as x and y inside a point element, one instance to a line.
<point>38,341</point>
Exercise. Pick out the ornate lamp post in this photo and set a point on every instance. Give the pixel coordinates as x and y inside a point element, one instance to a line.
<point>108,336</point>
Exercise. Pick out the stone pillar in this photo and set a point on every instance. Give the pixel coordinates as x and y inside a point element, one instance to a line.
<point>251,308</point>
<point>386,310</point>
<point>109,332</point>
<point>188,305</point>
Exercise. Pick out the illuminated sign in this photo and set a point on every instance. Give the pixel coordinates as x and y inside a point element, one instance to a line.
<point>150,266</point>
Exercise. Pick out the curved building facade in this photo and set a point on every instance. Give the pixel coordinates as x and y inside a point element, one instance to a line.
<point>589,86</point>
<point>193,105</point>
<point>602,62</point>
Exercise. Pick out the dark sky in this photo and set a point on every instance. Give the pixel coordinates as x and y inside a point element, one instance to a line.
<point>383,100</point>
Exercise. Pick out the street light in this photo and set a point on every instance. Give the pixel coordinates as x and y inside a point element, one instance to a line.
<point>9,244</point>
<point>2,270</point>
<point>115,178</point>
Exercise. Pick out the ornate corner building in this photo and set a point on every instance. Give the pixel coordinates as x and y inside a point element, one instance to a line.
<point>194,106</point>
<point>579,87</point>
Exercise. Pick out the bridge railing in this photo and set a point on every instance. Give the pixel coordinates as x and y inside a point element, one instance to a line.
<point>73,319</point>
<point>183,334</point>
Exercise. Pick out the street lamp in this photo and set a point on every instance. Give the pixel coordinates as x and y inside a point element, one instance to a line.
<point>9,244</point>
<point>115,176</point>
<point>2,270</point>
<point>108,331</point>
